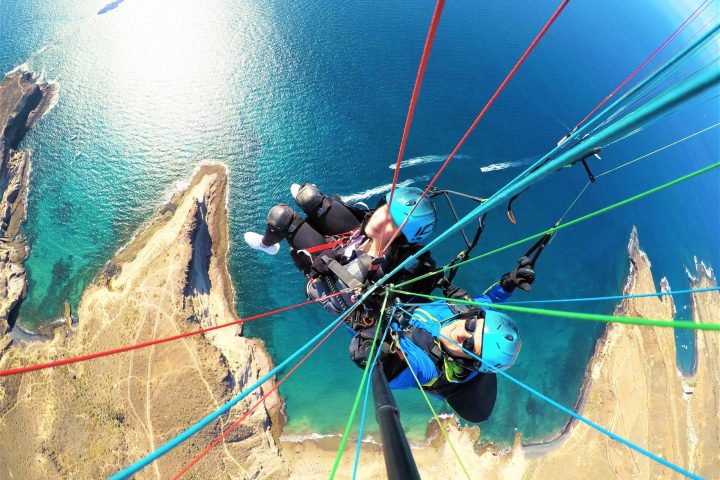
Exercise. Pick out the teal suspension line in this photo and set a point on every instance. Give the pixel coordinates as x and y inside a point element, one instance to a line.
<point>629,95</point>
<point>678,94</point>
<point>207,420</point>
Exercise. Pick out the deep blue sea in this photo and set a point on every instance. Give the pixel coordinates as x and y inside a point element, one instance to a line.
<point>289,91</point>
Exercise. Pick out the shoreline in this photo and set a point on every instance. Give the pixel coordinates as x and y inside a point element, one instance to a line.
<point>25,98</point>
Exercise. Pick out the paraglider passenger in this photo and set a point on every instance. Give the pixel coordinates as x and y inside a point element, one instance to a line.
<point>339,246</point>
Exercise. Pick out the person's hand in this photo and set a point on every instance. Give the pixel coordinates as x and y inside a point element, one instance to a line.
<point>360,347</point>
<point>521,276</point>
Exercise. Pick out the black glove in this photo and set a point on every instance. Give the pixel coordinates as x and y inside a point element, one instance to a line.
<point>451,291</point>
<point>522,276</point>
<point>360,347</point>
<point>319,266</point>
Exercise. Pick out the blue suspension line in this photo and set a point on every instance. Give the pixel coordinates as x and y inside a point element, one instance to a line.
<point>579,417</point>
<point>617,297</point>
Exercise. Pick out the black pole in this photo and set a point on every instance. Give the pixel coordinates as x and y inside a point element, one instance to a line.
<point>399,462</point>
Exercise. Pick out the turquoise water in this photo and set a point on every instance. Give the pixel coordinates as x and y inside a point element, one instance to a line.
<point>293,91</point>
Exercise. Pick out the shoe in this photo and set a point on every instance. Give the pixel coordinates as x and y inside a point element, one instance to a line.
<point>295,189</point>
<point>254,240</point>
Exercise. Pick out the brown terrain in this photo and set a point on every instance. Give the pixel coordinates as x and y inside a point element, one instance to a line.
<point>90,419</point>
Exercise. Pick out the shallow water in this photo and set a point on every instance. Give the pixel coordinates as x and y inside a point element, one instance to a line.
<point>293,91</point>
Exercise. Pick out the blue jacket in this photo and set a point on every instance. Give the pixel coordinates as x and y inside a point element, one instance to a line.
<point>428,317</point>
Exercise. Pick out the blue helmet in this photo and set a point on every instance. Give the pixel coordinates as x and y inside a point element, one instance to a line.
<point>501,342</point>
<point>422,220</point>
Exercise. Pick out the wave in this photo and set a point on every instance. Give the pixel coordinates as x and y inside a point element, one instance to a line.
<point>41,50</point>
<point>411,162</point>
<point>493,167</point>
<point>299,438</point>
<point>23,67</point>
<point>310,436</point>
<point>355,197</point>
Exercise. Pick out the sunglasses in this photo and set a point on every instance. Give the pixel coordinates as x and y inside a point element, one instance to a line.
<point>470,327</point>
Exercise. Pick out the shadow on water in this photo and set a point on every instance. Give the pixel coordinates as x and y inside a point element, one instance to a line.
<point>110,6</point>
<point>198,276</point>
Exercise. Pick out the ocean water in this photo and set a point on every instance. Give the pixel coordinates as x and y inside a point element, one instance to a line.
<point>288,91</point>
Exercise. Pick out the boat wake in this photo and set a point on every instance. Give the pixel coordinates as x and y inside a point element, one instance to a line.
<point>494,167</point>
<point>411,162</point>
<point>355,197</point>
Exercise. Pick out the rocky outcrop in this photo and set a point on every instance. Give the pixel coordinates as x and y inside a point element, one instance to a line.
<point>704,387</point>
<point>88,420</point>
<point>633,389</point>
<point>23,100</point>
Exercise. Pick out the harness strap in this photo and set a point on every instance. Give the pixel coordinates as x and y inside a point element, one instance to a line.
<point>539,246</point>
<point>319,248</point>
<point>344,276</point>
<point>424,340</point>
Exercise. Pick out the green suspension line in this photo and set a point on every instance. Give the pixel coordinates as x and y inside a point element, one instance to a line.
<point>595,317</point>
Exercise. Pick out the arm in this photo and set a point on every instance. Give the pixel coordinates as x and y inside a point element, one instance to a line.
<point>521,276</point>
<point>495,294</point>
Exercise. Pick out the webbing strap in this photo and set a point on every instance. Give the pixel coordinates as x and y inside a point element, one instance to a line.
<point>342,273</point>
<point>333,244</point>
<point>540,245</point>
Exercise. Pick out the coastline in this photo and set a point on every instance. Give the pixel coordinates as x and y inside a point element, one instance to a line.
<point>24,99</point>
<point>135,401</point>
<point>181,252</point>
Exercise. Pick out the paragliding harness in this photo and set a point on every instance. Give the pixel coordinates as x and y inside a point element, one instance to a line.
<point>452,370</point>
<point>348,276</point>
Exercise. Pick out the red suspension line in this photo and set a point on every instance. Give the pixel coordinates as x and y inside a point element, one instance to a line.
<point>487,106</point>
<point>254,407</point>
<point>669,39</point>
<point>105,353</point>
<point>416,90</point>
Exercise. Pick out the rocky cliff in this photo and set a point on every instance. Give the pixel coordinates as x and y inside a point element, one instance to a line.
<point>23,101</point>
<point>88,420</point>
<point>703,389</point>
<point>635,390</point>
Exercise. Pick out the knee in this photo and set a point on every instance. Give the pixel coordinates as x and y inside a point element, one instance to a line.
<point>310,199</point>
<point>280,219</point>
